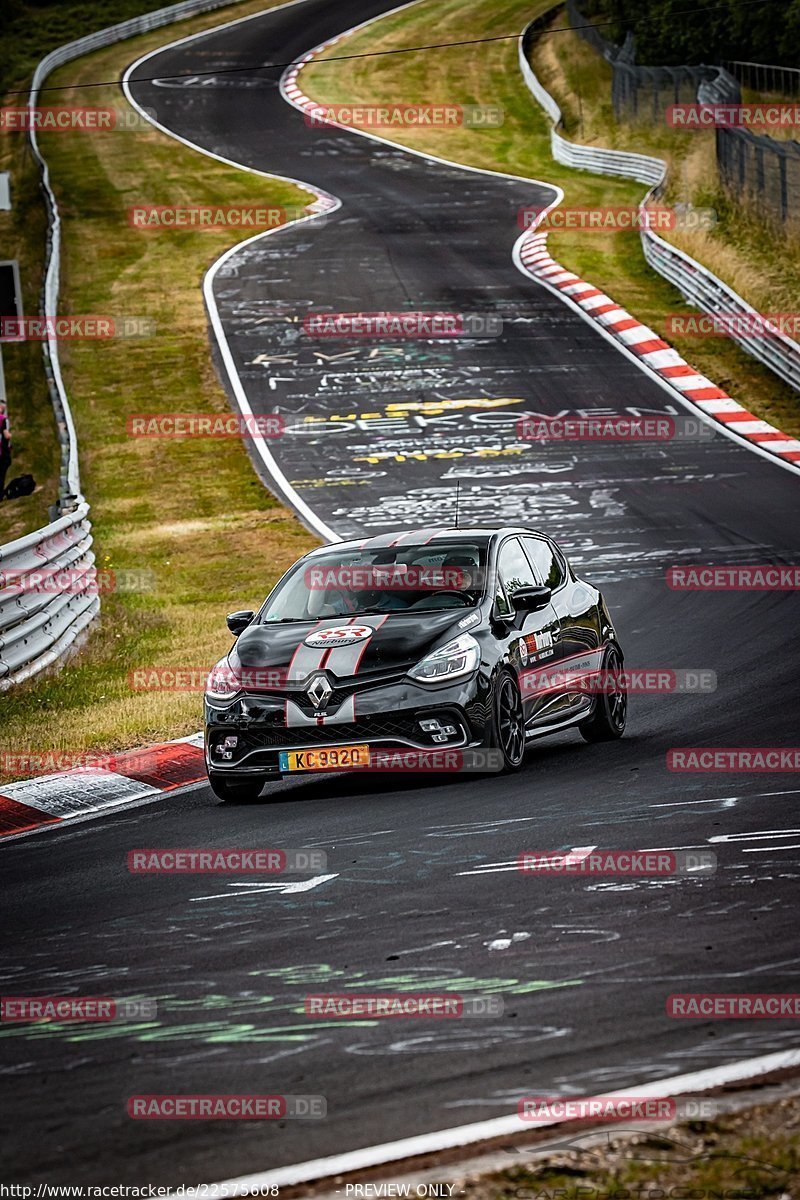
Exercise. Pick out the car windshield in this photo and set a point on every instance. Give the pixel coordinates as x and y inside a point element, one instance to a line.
<point>353,582</point>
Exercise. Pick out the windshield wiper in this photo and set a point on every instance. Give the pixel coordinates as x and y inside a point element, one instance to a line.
<point>374,612</point>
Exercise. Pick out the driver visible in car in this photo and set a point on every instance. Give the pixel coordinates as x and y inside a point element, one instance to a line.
<point>458,583</point>
<point>459,575</point>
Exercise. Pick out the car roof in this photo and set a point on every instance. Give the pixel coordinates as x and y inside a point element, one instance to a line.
<point>426,535</point>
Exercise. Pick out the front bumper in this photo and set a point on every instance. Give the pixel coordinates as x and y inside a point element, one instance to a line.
<point>245,736</point>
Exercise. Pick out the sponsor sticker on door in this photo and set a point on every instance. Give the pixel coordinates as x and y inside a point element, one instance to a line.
<point>535,645</point>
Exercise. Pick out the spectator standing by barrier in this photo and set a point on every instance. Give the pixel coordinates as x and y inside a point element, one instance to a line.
<point>5,447</point>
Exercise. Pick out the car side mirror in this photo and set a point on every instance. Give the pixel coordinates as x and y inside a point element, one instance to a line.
<point>237,622</point>
<point>531,599</point>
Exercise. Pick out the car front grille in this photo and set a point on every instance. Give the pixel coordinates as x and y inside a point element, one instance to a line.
<point>324,735</point>
<point>386,728</point>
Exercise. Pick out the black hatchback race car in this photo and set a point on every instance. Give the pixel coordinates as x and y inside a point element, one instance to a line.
<point>428,649</point>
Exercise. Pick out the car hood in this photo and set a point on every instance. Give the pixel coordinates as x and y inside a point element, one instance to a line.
<point>395,643</point>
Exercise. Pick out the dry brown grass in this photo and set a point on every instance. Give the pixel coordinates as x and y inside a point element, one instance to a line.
<point>757,260</point>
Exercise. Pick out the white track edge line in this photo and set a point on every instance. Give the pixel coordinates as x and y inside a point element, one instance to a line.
<point>465,1135</point>
<point>286,489</point>
<point>690,405</point>
<point>278,477</point>
<point>276,474</point>
<point>374,137</point>
<point>283,486</point>
<point>500,1126</point>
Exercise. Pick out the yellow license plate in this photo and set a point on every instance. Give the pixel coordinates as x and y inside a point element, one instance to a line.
<point>327,758</point>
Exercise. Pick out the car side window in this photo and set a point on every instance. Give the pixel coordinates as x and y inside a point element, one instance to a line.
<point>546,561</point>
<point>503,605</point>
<point>513,569</point>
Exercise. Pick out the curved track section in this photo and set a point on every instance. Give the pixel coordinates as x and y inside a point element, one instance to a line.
<point>380,431</point>
<point>420,889</point>
<point>638,342</point>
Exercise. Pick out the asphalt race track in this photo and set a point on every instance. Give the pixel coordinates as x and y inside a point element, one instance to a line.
<point>423,893</point>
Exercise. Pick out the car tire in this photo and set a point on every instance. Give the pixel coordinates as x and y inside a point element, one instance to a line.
<point>607,722</point>
<point>235,789</point>
<point>508,723</point>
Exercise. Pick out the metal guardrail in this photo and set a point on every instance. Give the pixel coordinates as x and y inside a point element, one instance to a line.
<point>584,158</point>
<point>762,172</point>
<point>48,595</point>
<point>699,286</point>
<point>765,77</point>
<point>38,622</point>
<point>719,88</point>
<point>708,293</point>
<point>637,89</point>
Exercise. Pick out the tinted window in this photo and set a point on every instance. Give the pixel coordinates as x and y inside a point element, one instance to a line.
<point>546,562</point>
<point>502,603</point>
<point>514,568</point>
<point>351,580</point>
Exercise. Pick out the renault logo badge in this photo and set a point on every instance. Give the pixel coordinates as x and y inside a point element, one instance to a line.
<point>319,691</point>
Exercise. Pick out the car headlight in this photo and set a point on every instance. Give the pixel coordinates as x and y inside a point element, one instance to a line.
<point>457,658</point>
<point>223,683</point>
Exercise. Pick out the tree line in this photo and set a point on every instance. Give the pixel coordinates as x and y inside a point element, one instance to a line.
<point>671,32</point>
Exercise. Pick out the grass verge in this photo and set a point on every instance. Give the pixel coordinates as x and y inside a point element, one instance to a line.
<point>489,74</point>
<point>758,261</point>
<point>749,1154</point>
<point>31,30</point>
<point>190,510</point>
